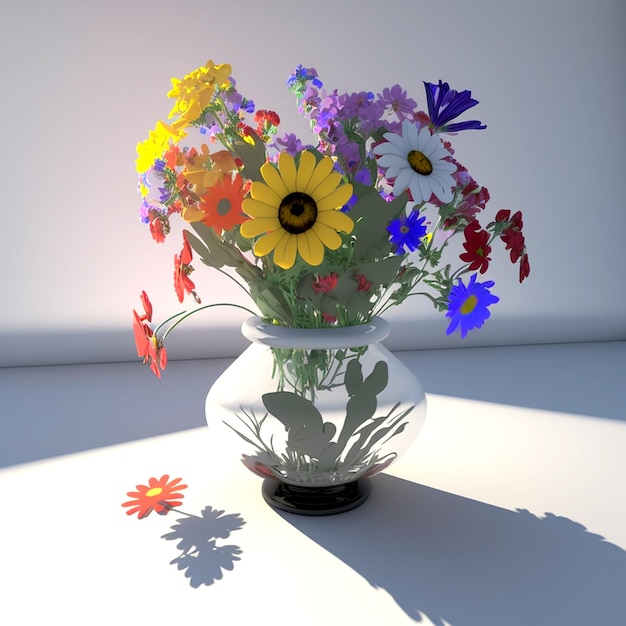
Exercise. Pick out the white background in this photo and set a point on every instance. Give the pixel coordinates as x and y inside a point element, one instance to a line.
<point>83,82</point>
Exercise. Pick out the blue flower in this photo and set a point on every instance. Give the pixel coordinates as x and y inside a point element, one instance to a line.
<point>407,231</point>
<point>444,104</point>
<point>467,306</point>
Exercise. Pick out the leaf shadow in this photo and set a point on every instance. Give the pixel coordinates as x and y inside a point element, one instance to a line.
<point>201,558</point>
<point>473,564</point>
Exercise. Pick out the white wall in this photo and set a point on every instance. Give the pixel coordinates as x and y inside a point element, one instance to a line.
<point>84,81</point>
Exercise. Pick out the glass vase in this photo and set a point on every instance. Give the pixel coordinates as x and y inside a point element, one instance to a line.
<point>318,412</point>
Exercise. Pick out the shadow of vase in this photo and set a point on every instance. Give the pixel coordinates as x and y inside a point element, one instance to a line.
<point>473,564</point>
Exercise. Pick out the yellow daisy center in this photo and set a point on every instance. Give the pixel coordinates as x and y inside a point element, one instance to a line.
<point>155,491</point>
<point>469,305</point>
<point>297,212</point>
<point>420,163</point>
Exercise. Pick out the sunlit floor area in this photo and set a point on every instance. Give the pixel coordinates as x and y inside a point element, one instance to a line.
<point>509,509</point>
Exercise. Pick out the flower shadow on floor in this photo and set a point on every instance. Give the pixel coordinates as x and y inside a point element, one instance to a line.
<point>473,564</point>
<point>201,558</point>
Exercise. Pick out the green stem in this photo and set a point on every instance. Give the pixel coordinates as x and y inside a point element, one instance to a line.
<point>184,316</point>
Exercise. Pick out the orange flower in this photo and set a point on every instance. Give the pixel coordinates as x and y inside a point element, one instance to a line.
<point>158,495</point>
<point>221,205</point>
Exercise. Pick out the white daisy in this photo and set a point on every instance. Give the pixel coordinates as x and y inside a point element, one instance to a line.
<point>415,160</point>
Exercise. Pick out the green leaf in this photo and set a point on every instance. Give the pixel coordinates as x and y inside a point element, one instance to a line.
<point>253,157</point>
<point>378,379</point>
<point>353,376</point>
<point>306,431</point>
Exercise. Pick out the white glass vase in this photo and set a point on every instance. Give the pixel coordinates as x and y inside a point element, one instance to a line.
<point>319,411</point>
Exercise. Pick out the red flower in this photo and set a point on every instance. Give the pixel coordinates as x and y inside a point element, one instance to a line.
<point>328,318</point>
<point>149,348</point>
<point>158,495</point>
<point>364,284</point>
<point>477,247</point>
<point>147,305</point>
<point>524,268</point>
<point>324,284</point>
<point>182,268</point>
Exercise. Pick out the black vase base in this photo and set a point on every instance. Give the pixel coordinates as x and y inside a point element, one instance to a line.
<point>315,500</point>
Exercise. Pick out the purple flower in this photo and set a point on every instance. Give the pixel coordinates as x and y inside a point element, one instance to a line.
<point>444,104</point>
<point>407,231</point>
<point>289,143</point>
<point>300,76</point>
<point>467,306</point>
<point>396,99</point>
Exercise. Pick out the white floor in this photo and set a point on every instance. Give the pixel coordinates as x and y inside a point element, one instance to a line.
<point>509,510</point>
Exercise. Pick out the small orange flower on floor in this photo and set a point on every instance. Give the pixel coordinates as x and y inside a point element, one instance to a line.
<point>158,495</point>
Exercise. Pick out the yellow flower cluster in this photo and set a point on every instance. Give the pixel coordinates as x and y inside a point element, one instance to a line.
<point>194,92</point>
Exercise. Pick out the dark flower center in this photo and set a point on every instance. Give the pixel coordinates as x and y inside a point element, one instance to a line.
<point>297,212</point>
<point>420,163</point>
<point>223,206</point>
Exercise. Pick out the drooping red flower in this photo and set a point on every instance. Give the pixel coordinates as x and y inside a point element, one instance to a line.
<point>159,226</point>
<point>324,284</point>
<point>524,268</point>
<point>158,495</point>
<point>477,247</point>
<point>182,268</point>
<point>149,348</point>
<point>513,237</point>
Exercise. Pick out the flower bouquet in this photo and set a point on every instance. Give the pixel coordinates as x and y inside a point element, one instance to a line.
<point>323,232</point>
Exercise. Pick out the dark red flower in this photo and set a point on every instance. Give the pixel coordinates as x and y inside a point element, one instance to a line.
<point>503,215</point>
<point>477,247</point>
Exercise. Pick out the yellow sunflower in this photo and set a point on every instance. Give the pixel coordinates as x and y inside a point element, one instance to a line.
<point>295,210</point>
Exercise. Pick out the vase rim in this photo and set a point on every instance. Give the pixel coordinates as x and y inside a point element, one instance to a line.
<point>258,331</point>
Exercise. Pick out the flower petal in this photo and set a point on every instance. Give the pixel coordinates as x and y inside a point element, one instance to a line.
<point>327,235</point>
<point>402,181</point>
<point>254,208</point>
<point>263,193</point>
<point>327,186</point>
<point>305,170</point>
<point>287,167</point>
<point>336,199</point>
<point>285,251</point>
<point>268,242</point>
<point>322,170</point>
<point>336,220</point>
<point>259,225</point>
<point>273,179</point>
<point>310,247</point>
